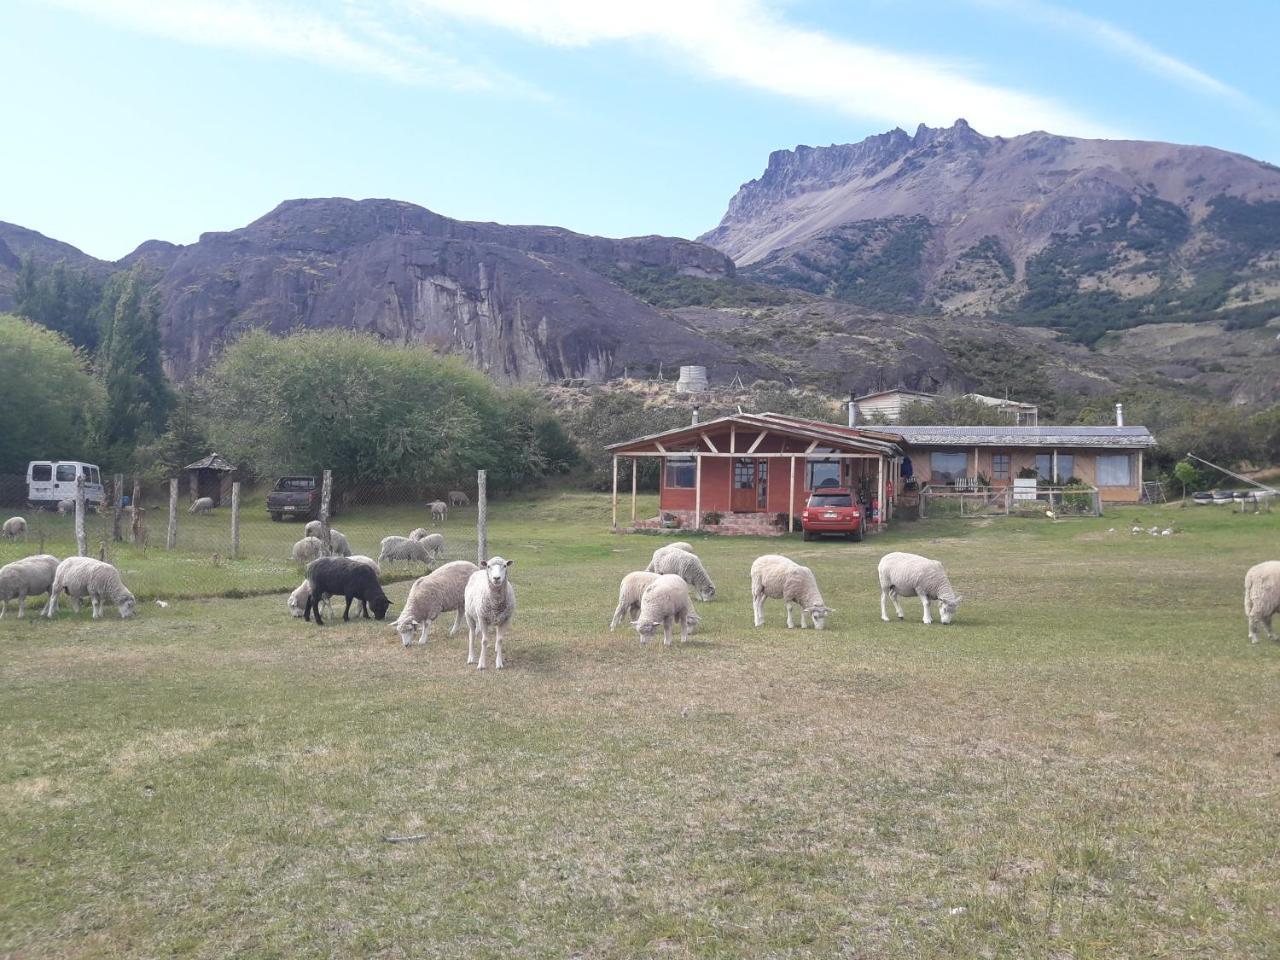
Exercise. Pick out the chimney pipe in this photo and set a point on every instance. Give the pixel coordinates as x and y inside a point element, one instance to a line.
<point>695,415</point>
<point>1119,414</point>
<point>853,411</point>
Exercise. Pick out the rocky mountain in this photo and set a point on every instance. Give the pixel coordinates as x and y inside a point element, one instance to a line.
<point>1082,235</point>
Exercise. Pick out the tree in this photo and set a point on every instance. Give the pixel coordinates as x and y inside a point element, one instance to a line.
<point>1185,473</point>
<point>60,299</point>
<point>955,411</point>
<point>52,404</point>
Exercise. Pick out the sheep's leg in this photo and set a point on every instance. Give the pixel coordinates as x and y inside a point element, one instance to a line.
<point>95,604</point>
<point>618,614</point>
<point>803,614</point>
<point>684,629</point>
<point>22,604</point>
<point>666,631</point>
<point>4,605</point>
<point>757,607</point>
<point>497,646</point>
<point>471,637</point>
<point>51,608</point>
<point>346,611</point>
<point>897,603</point>
<point>884,613</point>
<point>426,625</point>
<point>928,617</point>
<point>457,619</point>
<point>483,629</point>
<point>75,602</point>
<point>790,615</point>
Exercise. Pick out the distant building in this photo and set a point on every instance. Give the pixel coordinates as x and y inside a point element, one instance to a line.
<point>887,406</point>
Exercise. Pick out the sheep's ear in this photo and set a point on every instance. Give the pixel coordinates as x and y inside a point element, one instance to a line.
<point>510,562</point>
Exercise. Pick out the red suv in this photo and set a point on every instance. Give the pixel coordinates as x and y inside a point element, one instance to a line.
<point>831,510</point>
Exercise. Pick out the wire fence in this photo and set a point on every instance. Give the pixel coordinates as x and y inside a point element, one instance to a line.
<point>231,539</point>
<point>1056,501</point>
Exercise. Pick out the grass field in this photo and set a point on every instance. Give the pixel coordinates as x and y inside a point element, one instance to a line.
<point>1087,764</point>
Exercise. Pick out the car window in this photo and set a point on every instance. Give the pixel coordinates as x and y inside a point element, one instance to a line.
<point>296,483</point>
<point>66,471</point>
<point>831,500</point>
<point>41,472</point>
<point>94,476</point>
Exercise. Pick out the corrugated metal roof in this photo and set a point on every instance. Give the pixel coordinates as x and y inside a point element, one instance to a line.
<point>1124,437</point>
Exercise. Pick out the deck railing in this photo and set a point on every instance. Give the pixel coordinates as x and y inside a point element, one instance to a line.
<point>970,500</point>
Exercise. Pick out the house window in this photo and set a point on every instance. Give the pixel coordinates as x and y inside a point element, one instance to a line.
<point>822,473</point>
<point>946,467</point>
<point>1066,467</point>
<point>1000,466</point>
<point>681,473</point>
<point>1044,467</point>
<point>1115,470</point>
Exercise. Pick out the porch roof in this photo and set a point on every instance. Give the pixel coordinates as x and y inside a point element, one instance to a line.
<point>849,438</point>
<point>1121,438</point>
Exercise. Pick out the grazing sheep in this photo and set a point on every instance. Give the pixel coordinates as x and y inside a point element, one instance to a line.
<point>308,549</point>
<point>344,577</point>
<point>458,498</point>
<point>910,575</point>
<point>202,505</point>
<point>367,561</point>
<point>402,548</point>
<point>99,581</point>
<point>338,546</point>
<point>1262,598</point>
<point>418,533</point>
<point>664,601</point>
<point>440,591</point>
<point>688,566</point>
<point>780,578</point>
<point>298,599</point>
<point>439,510</point>
<point>677,545</point>
<point>66,506</point>
<point>25,578</point>
<point>490,601</point>
<point>14,528</point>
<point>629,591</point>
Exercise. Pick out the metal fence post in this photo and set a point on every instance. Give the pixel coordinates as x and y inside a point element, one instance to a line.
<point>482,517</point>
<point>82,546</point>
<point>117,519</point>
<point>171,539</point>
<point>235,520</point>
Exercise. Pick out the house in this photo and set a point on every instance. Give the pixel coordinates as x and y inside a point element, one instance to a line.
<point>1019,414</point>
<point>752,468</point>
<point>887,406</point>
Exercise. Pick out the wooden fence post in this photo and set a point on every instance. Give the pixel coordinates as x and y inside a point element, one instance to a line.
<point>171,539</point>
<point>635,469</point>
<point>615,493</point>
<point>482,517</point>
<point>791,499</point>
<point>326,492</point>
<point>82,546</point>
<point>136,533</point>
<point>117,508</point>
<point>235,517</point>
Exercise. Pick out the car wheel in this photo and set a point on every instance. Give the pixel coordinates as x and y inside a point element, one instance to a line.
<point>806,534</point>
<point>275,516</point>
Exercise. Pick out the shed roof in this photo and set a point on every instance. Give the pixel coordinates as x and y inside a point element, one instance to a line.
<point>875,441</point>
<point>1002,436</point>
<point>213,461</point>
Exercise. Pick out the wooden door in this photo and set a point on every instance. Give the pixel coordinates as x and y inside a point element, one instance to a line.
<point>745,478</point>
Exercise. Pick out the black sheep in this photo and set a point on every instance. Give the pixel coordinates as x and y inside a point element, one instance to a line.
<point>340,577</point>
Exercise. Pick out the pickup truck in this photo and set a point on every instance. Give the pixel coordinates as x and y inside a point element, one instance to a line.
<point>297,497</point>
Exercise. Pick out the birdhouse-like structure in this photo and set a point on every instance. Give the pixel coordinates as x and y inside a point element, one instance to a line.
<point>210,477</point>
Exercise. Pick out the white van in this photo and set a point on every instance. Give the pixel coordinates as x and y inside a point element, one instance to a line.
<point>51,481</point>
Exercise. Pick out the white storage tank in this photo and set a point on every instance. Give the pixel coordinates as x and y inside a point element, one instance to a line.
<point>692,380</point>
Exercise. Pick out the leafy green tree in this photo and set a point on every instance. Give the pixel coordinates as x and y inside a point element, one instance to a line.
<point>955,411</point>
<point>53,405</point>
<point>611,417</point>
<point>1185,473</point>
<point>60,299</point>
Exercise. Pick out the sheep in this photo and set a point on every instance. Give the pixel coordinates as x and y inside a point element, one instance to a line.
<point>66,506</point>
<point>458,498</point>
<point>434,541</point>
<point>629,591</point>
<point>781,578</point>
<point>664,601</point>
<point>417,533</point>
<point>1262,598</point>
<point>402,548</point>
<point>688,566</point>
<point>26,577</point>
<point>341,576</point>
<point>910,575</point>
<point>489,601</point>
<point>338,546</point>
<point>367,561</point>
<point>13,528</point>
<point>298,599</point>
<point>439,510</point>
<point>202,505</point>
<point>677,545</point>
<point>444,589</point>
<point>85,576</point>
<point>308,549</point>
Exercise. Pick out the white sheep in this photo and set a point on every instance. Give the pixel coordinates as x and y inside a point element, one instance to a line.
<point>417,533</point>
<point>434,541</point>
<point>367,561</point>
<point>338,546</point>
<point>629,591</point>
<point>201,505</point>
<point>14,528</point>
<point>66,506</point>
<point>677,545</point>
<point>910,575</point>
<point>439,511</point>
<point>490,601</point>
<point>99,581</point>
<point>688,566</point>
<point>308,549</point>
<point>1262,598</point>
<point>458,498</point>
<point>438,592</point>
<point>298,599</point>
<point>665,601</point>
<point>26,578</point>
<point>780,578</point>
<point>402,548</point>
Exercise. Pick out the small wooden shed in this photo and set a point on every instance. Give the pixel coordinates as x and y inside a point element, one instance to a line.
<point>210,477</point>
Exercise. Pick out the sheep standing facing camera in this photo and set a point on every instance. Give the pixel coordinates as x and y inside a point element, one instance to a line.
<point>490,602</point>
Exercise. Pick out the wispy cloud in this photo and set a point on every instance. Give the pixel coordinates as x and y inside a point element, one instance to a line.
<point>749,42</point>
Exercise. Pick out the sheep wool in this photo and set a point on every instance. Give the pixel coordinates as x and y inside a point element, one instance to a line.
<point>440,591</point>
<point>777,577</point>
<point>24,578</point>
<point>201,505</point>
<point>395,549</point>
<point>308,549</point>
<point>490,602</point>
<point>665,602</point>
<point>689,567</point>
<point>677,545</point>
<point>87,577</point>
<point>1262,598</point>
<point>14,528</point>
<point>911,575</point>
<point>629,592</point>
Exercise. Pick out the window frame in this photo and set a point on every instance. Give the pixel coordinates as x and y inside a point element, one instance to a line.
<point>997,471</point>
<point>951,476</point>
<point>675,462</point>
<point>1098,465</point>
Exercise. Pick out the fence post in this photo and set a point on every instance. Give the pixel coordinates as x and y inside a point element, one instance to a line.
<point>117,495</point>
<point>326,491</point>
<point>82,546</point>
<point>482,517</point>
<point>235,517</point>
<point>171,539</point>
<point>135,515</point>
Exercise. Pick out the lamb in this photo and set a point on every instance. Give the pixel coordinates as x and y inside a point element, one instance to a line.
<point>490,601</point>
<point>664,601</point>
<point>677,545</point>
<point>629,592</point>
<point>444,589</point>
<point>14,528</point>
<point>1262,598</point>
<point>910,575</point>
<point>781,578</point>
<point>24,578</point>
<point>342,576</point>
<point>402,548</point>
<point>338,546</point>
<point>439,510</point>
<point>688,566</point>
<point>298,599</point>
<point>458,498</point>
<point>308,549</point>
<point>99,581</point>
<point>201,505</point>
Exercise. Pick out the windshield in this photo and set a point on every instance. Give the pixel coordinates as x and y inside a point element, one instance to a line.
<point>830,500</point>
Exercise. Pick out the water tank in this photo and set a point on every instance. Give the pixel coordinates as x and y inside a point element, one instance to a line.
<point>692,380</point>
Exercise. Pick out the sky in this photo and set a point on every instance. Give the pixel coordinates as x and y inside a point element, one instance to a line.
<point>129,120</point>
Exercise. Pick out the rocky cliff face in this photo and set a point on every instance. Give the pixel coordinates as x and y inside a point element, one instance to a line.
<point>1087,235</point>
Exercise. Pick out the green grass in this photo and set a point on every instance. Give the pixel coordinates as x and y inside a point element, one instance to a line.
<point>1084,765</point>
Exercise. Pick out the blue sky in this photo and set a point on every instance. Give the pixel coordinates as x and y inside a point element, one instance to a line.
<point>128,120</point>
